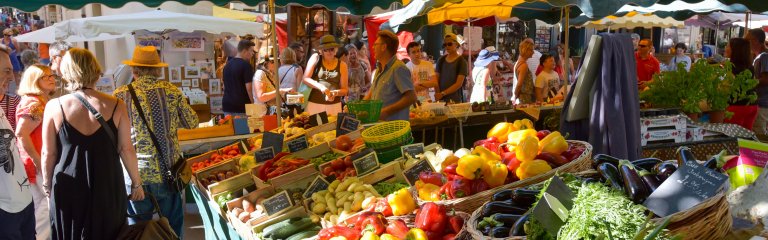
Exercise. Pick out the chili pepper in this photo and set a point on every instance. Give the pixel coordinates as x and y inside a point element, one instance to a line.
<point>402,202</point>
<point>495,174</point>
<point>527,149</point>
<point>431,177</point>
<point>471,166</point>
<point>397,228</point>
<point>431,217</point>
<point>264,168</point>
<point>553,143</point>
<point>348,233</point>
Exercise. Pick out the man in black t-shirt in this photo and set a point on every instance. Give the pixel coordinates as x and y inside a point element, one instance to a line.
<point>238,74</point>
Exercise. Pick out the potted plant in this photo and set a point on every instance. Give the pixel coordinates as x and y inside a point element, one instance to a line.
<point>675,89</point>
<point>722,87</point>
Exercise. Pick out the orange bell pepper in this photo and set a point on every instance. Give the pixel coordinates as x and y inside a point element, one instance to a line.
<point>527,149</point>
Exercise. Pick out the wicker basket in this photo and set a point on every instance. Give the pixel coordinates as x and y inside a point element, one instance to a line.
<point>459,110</point>
<point>462,235</point>
<point>469,226</point>
<point>471,203</point>
<point>710,219</point>
<point>387,134</point>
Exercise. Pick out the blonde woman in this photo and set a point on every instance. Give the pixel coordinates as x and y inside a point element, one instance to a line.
<point>524,89</point>
<point>37,83</point>
<point>82,170</point>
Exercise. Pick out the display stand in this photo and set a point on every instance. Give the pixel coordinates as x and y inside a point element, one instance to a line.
<point>216,226</point>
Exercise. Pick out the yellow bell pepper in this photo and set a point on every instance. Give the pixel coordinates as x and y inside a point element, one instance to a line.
<point>429,192</point>
<point>532,168</point>
<point>471,166</point>
<point>553,143</point>
<point>495,175</point>
<point>527,149</point>
<point>370,236</point>
<point>515,137</point>
<point>499,131</point>
<point>402,202</point>
<point>486,154</point>
<point>388,236</point>
<point>416,234</point>
<point>523,124</point>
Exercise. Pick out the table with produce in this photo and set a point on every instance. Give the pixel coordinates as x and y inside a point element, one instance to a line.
<point>518,183</point>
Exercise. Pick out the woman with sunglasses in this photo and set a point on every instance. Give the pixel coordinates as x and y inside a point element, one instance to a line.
<point>451,71</point>
<point>327,76</point>
<point>36,85</point>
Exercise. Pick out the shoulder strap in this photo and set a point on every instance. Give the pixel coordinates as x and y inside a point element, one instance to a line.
<point>286,73</point>
<point>98,116</point>
<point>135,100</point>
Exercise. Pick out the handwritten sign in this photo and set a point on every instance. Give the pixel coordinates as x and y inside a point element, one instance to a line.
<point>298,144</point>
<point>339,119</point>
<point>319,184</point>
<point>346,125</point>
<point>243,145</point>
<point>553,208</point>
<point>274,140</point>
<point>412,149</point>
<point>412,174</point>
<point>690,185</point>
<point>278,203</point>
<point>366,163</point>
<point>318,119</point>
<point>264,154</point>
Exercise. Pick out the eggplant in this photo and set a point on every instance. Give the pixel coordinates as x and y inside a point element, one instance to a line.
<point>507,219</point>
<point>601,158</point>
<point>519,228</point>
<point>501,207</point>
<point>611,174</point>
<point>634,186</point>
<point>500,232</point>
<point>502,195</point>
<point>525,197</point>
<point>590,180</point>
<point>646,163</point>
<point>685,155</point>
<point>712,163</point>
<point>665,169</point>
<point>486,230</point>
<point>651,180</point>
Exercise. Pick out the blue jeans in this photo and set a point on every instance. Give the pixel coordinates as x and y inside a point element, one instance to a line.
<point>20,225</point>
<point>170,204</point>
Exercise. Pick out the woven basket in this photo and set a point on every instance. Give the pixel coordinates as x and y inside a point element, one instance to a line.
<point>470,224</point>
<point>462,235</point>
<point>387,134</point>
<point>471,203</point>
<point>459,110</point>
<point>367,111</point>
<point>710,219</point>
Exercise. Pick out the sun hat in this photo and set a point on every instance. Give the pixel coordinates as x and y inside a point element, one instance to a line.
<point>328,41</point>
<point>145,56</point>
<point>485,57</point>
<point>451,37</point>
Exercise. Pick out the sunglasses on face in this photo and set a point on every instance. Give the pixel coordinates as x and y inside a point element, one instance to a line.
<point>642,46</point>
<point>329,50</point>
<point>448,44</point>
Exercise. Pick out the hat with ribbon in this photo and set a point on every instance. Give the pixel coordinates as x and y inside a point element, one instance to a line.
<point>485,57</point>
<point>328,41</point>
<point>145,56</point>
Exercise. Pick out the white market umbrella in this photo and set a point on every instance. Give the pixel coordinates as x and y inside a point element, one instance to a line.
<point>154,21</point>
<point>48,35</point>
<point>636,20</point>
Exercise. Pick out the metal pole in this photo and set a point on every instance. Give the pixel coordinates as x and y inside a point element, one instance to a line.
<point>717,30</point>
<point>566,60</point>
<point>275,46</point>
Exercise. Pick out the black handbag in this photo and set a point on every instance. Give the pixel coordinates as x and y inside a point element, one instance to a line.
<point>178,176</point>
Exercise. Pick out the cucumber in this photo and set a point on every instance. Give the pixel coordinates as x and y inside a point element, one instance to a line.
<point>291,229</point>
<point>303,235</point>
<point>274,227</point>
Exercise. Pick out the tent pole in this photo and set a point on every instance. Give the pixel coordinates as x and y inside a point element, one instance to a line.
<point>717,30</point>
<point>566,49</point>
<point>275,46</point>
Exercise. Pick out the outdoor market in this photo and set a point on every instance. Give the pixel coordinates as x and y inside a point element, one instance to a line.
<point>384,120</point>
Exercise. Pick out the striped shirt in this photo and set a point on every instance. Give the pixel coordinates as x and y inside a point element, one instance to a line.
<point>9,103</point>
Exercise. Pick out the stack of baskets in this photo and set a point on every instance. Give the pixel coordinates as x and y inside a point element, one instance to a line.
<point>387,137</point>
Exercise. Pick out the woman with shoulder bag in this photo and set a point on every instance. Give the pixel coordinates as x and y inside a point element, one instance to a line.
<point>264,86</point>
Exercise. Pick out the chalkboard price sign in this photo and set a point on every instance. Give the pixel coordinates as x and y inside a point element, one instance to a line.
<point>366,163</point>
<point>298,144</point>
<point>278,203</point>
<point>412,149</point>
<point>274,140</point>
<point>264,154</point>
<point>412,174</point>
<point>690,185</point>
<point>318,119</point>
<point>319,184</point>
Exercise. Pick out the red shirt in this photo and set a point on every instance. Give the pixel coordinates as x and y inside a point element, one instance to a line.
<point>646,68</point>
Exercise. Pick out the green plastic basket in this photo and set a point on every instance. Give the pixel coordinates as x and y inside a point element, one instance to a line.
<point>367,111</point>
<point>389,155</point>
<point>385,135</point>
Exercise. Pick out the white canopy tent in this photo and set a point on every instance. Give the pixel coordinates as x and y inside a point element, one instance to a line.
<point>753,24</point>
<point>48,35</point>
<point>634,20</point>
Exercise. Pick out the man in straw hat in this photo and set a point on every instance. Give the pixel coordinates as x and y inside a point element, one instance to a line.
<point>165,110</point>
<point>392,82</point>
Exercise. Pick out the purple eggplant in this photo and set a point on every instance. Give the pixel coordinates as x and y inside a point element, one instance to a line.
<point>651,180</point>
<point>634,186</point>
<point>611,173</point>
<point>665,169</point>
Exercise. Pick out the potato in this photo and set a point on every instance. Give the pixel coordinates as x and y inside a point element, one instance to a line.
<point>318,208</point>
<point>237,211</point>
<point>244,216</point>
<point>248,206</point>
<point>257,214</point>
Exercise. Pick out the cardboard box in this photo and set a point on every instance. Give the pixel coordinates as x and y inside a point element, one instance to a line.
<point>671,135</point>
<point>694,133</point>
<point>676,122</point>
<point>203,112</point>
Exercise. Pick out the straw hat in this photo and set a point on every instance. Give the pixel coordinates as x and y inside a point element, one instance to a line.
<point>145,56</point>
<point>328,41</point>
<point>485,57</point>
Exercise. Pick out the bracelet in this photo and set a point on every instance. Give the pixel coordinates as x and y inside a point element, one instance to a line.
<point>136,186</point>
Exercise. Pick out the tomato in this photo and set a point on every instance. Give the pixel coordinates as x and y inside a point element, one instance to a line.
<point>348,162</point>
<point>338,164</point>
<point>327,170</point>
<point>350,172</point>
<point>344,143</point>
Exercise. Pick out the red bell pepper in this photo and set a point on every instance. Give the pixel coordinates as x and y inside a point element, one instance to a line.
<point>431,218</point>
<point>444,191</point>
<point>434,235</point>
<point>431,177</point>
<point>397,228</point>
<point>339,231</point>
<point>460,188</point>
<point>478,185</point>
<point>382,206</point>
<point>372,221</point>
<point>449,237</point>
<point>456,223</point>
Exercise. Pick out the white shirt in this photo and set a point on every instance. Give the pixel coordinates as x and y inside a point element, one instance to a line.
<point>549,81</point>
<point>533,62</point>
<point>15,192</point>
<point>421,73</point>
<point>672,66</point>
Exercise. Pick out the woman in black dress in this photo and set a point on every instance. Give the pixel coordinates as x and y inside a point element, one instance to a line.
<point>82,171</point>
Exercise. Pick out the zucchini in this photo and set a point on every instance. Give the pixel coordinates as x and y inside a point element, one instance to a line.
<point>292,229</point>
<point>303,235</point>
<point>271,228</point>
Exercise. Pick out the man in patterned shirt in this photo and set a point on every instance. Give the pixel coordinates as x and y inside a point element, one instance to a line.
<point>166,110</point>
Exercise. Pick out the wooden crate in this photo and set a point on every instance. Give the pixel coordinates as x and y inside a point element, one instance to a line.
<point>297,211</point>
<point>244,228</point>
<point>235,185</point>
<point>286,179</point>
<point>320,129</point>
<point>207,155</point>
<point>206,132</point>
<point>390,172</point>
<point>228,165</point>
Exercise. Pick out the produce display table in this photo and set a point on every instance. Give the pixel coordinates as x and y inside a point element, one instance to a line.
<point>197,146</point>
<point>215,225</point>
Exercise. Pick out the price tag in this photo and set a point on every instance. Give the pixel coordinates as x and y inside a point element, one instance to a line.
<point>553,209</point>
<point>412,174</point>
<point>278,203</point>
<point>366,163</point>
<point>318,119</point>
<point>274,140</point>
<point>298,144</point>
<point>264,154</point>
<point>319,184</point>
<point>690,185</point>
<point>412,149</point>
